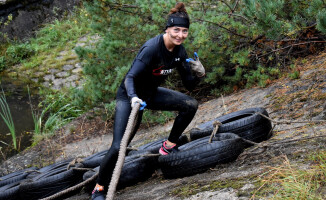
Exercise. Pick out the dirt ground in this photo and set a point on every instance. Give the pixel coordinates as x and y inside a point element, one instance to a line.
<point>302,99</point>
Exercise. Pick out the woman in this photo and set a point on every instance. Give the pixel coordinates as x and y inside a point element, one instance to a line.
<point>156,59</point>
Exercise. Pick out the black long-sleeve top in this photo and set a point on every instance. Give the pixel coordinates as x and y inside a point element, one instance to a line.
<point>151,67</point>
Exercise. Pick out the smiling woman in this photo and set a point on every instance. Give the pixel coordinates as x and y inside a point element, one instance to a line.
<point>158,58</point>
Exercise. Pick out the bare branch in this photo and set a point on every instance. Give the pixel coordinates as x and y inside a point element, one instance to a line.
<point>237,15</point>
<point>227,5</point>
<point>235,6</point>
<point>219,25</point>
<point>292,45</point>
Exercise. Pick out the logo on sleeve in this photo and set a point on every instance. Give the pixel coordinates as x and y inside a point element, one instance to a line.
<point>161,71</point>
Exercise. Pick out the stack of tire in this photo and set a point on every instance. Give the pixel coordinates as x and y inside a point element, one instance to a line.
<point>198,155</point>
<point>33,183</point>
<point>227,144</point>
<point>138,165</point>
<point>193,157</point>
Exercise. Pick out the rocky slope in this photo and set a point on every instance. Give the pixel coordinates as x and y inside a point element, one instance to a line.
<point>301,99</point>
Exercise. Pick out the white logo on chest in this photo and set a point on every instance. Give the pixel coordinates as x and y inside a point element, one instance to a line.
<point>166,71</point>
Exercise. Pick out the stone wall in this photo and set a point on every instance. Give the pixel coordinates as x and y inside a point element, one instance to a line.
<point>29,15</point>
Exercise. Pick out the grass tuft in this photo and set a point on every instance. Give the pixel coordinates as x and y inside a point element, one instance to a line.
<point>287,181</point>
<point>7,118</point>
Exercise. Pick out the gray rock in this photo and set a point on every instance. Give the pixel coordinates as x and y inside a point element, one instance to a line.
<point>248,186</point>
<point>225,194</point>
<point>67,67</point>
<point>77,70</point>
<point>73,78</point>
<point>46,84</point>
<point>57,83</point>
<point>53,71</point>
<point>62,74</point>
<point>34,80</point>
<point>49,77</point>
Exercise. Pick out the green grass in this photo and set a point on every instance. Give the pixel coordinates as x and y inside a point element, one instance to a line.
<point>7,118</point>
<point>52,113</point>
<point>53,38</point>
<point>288,181</point>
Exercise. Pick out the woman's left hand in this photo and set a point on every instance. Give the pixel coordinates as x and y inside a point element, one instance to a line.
<point>197,67</point>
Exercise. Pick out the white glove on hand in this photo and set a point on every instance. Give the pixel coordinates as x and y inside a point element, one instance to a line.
<point>135,100</point>
<point>197,67</point>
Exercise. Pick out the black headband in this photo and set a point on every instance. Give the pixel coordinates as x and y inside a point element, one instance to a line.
<point>177,21</point>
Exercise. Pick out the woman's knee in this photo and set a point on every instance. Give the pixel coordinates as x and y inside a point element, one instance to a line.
<point>192,105</point>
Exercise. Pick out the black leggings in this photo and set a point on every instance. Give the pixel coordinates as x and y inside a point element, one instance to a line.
<point>164,99</point>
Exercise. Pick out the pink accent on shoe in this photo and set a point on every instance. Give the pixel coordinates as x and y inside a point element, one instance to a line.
<point>164,148</point>
<point>162,152</point>
<point>168,147</point>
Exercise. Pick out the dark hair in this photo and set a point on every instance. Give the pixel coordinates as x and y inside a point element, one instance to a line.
<point>178,16</point>
<point>179,11</point>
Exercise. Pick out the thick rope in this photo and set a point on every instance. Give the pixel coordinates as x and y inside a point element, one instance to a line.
<point>76,187</point>
<point>290,122</point>
<point>132,148</point>
<point>265,145</point>
<point>117,169</point>
<point>217,124</point>
<point>122,152</point>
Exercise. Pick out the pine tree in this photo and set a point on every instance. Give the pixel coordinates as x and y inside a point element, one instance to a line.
<point>234,39</point>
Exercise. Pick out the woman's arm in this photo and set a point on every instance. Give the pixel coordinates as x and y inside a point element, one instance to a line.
<point>188,80</point>
<point>137,68</point>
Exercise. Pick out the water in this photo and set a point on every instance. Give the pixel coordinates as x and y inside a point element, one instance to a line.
<point>18,100</point>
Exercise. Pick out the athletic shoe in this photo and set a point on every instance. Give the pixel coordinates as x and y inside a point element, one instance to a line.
<point>164,150</point>
<point>98,193</point>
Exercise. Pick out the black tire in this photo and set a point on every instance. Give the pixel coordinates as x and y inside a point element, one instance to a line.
<point>10,191</point>
<point>136,168</point>
<point>245,123</point>
<point>94,160</point>
<point>153,147</point>
<point>87,175</point>
<point>49,169</point>
<point>199,155</point>
<point>51,180</point>
<point>15,176</point>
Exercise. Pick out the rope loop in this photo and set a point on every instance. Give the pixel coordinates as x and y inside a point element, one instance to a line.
<point>289,121</point>
<point>77,162</point>
<point>217,124</point>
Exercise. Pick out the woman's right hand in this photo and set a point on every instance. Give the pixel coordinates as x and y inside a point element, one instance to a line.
<point>135,100</point>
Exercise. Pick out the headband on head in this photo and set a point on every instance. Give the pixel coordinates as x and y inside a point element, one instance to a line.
<point>177,21</point>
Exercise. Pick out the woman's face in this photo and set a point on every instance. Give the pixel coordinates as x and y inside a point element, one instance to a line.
<point>176,34</point>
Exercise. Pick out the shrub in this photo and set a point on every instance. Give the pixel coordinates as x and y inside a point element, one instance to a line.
<point>239,42</point>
